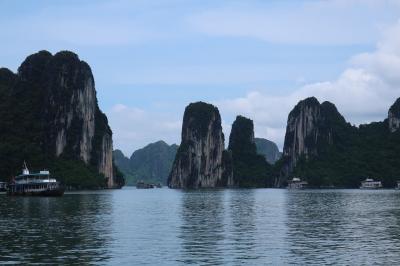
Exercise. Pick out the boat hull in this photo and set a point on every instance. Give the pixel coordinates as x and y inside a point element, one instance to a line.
<point>43,193</point>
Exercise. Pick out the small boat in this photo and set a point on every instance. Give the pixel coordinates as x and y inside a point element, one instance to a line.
<point>296,183</point>
<point>3,186</point>
<point>370,183</point>
<point>398,185</point>
<point>144,185</point>
<point>35,184</point>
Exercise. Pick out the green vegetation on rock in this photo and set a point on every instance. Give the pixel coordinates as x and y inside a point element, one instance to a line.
<point>249,168</point>
<point>198,116</point>
<point>344,155</point>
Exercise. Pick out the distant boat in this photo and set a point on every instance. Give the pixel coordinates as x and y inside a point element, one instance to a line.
<point>34,184</point>
<point>296,183</point>
<point>398,185</point>
<point>369,183</point>
<point>144,185</point>
<point>3,186</point>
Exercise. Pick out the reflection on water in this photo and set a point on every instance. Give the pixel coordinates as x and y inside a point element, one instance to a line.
<point>202,229</point>
<point>243,230</point>
<point>343,227</point>
<point>207,227</point>
<point>49,230</point>
<point>232,227</point>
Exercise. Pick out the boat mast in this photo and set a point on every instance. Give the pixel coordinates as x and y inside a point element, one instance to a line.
<point>25,169</point>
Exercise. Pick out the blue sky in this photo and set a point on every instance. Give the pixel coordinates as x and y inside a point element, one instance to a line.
<point>255,58</point>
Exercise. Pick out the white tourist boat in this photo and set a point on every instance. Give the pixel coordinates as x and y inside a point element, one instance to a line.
<point>34,184</point>
<point>370,183</point>
<point>297,183</point>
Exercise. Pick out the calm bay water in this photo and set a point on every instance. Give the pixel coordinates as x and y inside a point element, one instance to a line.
<point>209,227</point>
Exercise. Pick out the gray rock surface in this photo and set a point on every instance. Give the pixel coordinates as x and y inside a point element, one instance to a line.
<point>199,162</point>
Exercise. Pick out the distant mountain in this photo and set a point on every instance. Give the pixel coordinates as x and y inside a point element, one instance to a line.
<point>122,162</point>
<point>150,164</point>
<point>268,149</point>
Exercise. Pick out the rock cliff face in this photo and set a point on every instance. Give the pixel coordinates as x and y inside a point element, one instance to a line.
<point>105,161</point>
<point>249,168</point>
<point>394,116</point>
<point>310,125</point>
<point>61,93</point>
<point>201,161</point>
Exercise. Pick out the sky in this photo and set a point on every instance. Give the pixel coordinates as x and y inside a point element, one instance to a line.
<point>151,58</point>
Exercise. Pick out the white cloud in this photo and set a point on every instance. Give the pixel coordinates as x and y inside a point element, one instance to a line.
<point>385,61</point>
<point>362,93</point>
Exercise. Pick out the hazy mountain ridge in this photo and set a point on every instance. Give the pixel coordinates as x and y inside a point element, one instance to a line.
<point>268,149</point>
<point>151,163</point>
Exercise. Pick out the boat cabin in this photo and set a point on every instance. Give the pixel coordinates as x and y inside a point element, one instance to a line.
<point>296,183</point>
<point>370,183</point>
<point>3,186</point>
<point>35,184</point>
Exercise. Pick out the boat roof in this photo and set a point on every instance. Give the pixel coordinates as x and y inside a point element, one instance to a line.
<point>34,174</point>
<point>371,180</point>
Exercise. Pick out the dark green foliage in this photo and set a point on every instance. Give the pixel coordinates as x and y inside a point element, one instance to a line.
<point>119,177</point>
<point>242,136</point>
<point>198,116</point>
<point>249,168</point>
<point>151,164</point>
<point>76,174</point>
